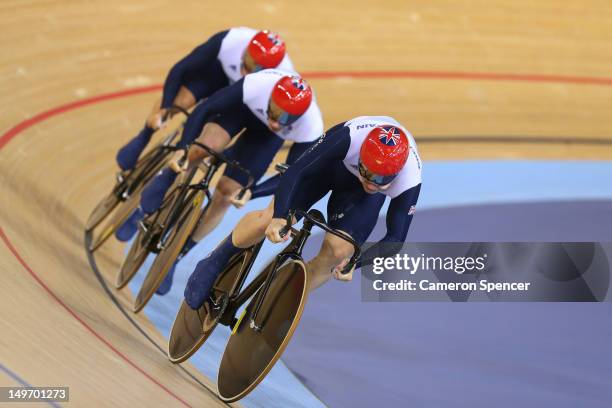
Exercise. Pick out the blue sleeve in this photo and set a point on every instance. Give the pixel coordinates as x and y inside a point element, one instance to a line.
<point>268,187</point>
<point>399,217</point>
<point>325,152</point>
<point>224,100</point>
<point>198,60</point>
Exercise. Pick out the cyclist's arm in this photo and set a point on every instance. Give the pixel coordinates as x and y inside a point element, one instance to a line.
<point>324,153</point>
<point>268,187</point>
<point>224,100</point>
<point>400,213</point>
<point>198,60</point>
<point>399,217</point>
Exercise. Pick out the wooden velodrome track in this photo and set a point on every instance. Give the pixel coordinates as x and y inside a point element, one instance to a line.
<point>466,77</point>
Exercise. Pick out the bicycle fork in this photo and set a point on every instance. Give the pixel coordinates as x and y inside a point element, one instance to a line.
<point>294,251</point>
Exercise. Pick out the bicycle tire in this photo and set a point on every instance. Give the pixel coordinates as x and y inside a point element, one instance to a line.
<point>167,255</point>
<point>249,354</point>
<point>138,252</point>
<point>187,334</point>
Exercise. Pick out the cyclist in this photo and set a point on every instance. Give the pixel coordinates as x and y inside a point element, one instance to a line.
<point>222,60</point>
<point>361,162</point>
<point>273,106</point>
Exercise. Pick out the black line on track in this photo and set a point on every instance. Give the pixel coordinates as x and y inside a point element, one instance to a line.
<point>111,295</point>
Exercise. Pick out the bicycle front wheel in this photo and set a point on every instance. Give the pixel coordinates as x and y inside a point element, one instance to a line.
<point>191,327</point>
<point>102,210</point>
<point>173,244</point>
<point>120,215</point>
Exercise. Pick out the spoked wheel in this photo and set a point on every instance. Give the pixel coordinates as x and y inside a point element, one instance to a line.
<point>250,354</point>
<point>170,251</point>
<point>191,327</point>
<point>102,210</point>
<point>122,213</point>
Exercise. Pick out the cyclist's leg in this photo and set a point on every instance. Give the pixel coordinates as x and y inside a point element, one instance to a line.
<point>223,127</point>
<point>254,152</point>
<point>128,155</point>
<point>213,136</point>
<point>354,212</point>
<point>252,227</point>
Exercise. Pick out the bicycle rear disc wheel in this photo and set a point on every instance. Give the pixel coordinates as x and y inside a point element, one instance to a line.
<point>167,256</point>
<point>249,354</point>
<point>188,334</point>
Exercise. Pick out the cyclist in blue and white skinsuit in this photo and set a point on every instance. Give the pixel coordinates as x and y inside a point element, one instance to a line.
<point>272,106</point>
<point>219,62</point>
<point>361,162</point>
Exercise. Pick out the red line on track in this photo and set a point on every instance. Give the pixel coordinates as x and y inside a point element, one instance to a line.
<point>20,127</point>
<point>40,117</point>
<point>11,248</point>
<point>472,76</point>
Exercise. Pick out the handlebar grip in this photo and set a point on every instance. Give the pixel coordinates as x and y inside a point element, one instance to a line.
<point>347,268</point>
<point>284,231</point>
<point>183,159</point>
<point>281,167</point>
<point>242,192</point>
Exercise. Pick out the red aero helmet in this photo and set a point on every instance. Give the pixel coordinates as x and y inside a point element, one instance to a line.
<point>383,154</point>
<point>267,49</point>
<point>293,95</point>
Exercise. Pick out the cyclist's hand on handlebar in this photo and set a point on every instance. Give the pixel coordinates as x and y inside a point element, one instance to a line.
<point>273,230</point>
<point>156,120</point>
<point>337,271</point>
<point>240,202</point>
<point>175,162</point>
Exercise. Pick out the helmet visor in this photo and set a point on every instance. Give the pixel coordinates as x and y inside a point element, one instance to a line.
<point>249,65</point>
<point>373,177</point>
<point>278,115</point>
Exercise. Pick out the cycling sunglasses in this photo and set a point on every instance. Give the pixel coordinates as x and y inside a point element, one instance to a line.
<point>373,177</point>
<point>285,119</point>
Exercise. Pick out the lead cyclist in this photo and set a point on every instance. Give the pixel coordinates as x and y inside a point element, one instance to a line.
<point>362,162</point>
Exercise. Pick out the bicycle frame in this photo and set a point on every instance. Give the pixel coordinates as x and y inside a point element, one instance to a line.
<point>185,193</point>
<point>263,281</point>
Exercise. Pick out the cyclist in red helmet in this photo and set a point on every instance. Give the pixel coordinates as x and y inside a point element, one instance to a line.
<point>219,62</point>
<point>271,106</point>
<point>361,162</point>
